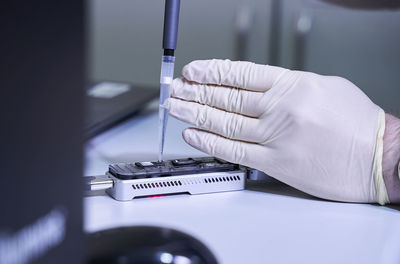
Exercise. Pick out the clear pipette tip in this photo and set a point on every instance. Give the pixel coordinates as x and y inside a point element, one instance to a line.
<point>166,77</point>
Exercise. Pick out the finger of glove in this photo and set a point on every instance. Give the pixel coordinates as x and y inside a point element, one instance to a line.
<point>239,74</point>
<point>234,151</point>
<point>224,123</point>
<point>225,98</point>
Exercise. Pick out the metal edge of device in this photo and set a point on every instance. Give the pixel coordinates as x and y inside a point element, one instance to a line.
<point>199,183</point>
<point>256,175</point>
<point>101,183</point>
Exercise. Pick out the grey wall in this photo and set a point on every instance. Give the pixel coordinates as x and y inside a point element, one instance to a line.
<point>125,35</point>
<point>360,45</point>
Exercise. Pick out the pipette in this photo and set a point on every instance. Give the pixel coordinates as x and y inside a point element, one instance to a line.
<point>171,20</point>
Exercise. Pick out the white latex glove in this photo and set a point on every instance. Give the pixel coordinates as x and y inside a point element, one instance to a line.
<point>319,134</point>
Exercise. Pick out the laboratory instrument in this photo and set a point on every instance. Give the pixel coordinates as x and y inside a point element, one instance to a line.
<point>171,20</point>
<point>126,181</point>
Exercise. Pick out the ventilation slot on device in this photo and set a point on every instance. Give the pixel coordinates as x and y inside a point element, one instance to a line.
<point>156,185</point>
<point>222,179</point>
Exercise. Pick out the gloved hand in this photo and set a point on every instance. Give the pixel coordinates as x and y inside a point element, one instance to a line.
<point>319,134</point>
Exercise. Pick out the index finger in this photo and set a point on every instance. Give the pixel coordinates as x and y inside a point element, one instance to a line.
<point>239,74</point>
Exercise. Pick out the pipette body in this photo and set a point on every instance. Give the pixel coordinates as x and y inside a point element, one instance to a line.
<point>171,21</point>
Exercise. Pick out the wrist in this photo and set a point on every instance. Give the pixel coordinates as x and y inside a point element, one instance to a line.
<point>391,157</point>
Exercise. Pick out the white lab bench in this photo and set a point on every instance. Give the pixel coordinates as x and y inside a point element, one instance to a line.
<point>266,223</point>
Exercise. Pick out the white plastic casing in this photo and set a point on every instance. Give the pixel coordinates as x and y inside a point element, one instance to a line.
<point>125,190</point>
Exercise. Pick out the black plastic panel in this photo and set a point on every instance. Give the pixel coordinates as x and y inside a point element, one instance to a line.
<point>139,170</point>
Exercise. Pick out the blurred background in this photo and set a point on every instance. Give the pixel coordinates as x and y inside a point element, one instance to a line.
<point>362,45</point>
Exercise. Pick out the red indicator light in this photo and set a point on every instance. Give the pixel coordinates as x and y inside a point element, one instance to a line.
<point>154,196</point>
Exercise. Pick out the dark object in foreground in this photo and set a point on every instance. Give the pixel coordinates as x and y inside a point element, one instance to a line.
<point>42,65</point>
<point>146,245</point>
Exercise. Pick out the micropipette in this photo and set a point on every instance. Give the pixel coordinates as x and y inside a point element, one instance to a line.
<point>171,19</point>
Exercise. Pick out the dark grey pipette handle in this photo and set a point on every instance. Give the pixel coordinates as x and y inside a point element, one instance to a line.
<point>171,21</point>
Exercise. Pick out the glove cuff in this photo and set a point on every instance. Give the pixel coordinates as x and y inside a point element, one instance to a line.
<point>379,185</point>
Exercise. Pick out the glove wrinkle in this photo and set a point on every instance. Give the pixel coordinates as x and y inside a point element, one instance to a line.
<point>202,117</point>
<point>204,97</point>
<point>240,154</point>
<point>233,102</point>
<point>233,125</point>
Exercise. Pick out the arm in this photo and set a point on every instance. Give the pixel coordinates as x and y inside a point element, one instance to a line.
<point>391,158</point>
